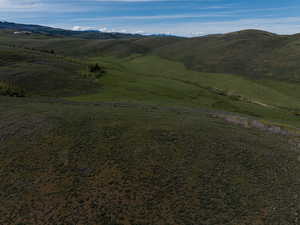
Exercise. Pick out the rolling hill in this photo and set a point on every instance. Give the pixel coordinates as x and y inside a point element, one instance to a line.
<point>253,53</point>
<point>149,130</point>
<point>79,47</point>
<point>139,70</point>
<point>43,73</point>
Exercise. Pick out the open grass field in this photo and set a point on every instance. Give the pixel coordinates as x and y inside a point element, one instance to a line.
<point>158,81</point>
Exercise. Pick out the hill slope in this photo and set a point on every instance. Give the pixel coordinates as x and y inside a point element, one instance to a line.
<point>115,163</point>
<point>253,53</point>
<point>42,73</point>
<point>80,47</point>
<point>140,78</point>
<point>155,80</point>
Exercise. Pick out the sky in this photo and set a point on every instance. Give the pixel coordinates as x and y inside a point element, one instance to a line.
<point>176,17</point>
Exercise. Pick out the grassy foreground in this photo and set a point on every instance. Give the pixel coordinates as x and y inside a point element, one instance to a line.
<point>109,163</point>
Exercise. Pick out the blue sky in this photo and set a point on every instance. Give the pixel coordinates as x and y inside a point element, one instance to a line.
<point>179,17</point>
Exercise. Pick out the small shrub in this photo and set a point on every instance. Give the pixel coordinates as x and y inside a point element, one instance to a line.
<point>8,89</point>
<point>94,71</point>
<point>297,113</point>
<point>218,91</point>
<point>96,68</point>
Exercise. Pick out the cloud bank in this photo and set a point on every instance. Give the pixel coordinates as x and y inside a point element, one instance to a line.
<point>178,17</point>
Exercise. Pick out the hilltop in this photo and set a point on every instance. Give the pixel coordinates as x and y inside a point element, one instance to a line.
<point>252,53</point>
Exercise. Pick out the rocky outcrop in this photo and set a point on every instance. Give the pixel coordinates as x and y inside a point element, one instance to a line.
<point>252,123</point>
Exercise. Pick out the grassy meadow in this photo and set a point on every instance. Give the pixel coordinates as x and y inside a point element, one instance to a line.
<point>159,81</point>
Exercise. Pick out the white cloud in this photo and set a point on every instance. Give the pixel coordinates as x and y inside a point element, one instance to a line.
<point>289,25</point>
<point>80,28</point>
<point>103,29</point>
<point>197,33</point>
<point>139,32</point>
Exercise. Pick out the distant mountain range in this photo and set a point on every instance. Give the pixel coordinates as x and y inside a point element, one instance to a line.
<point>90,34</point>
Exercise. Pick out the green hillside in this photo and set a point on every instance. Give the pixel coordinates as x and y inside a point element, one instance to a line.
<point>45,66</point>
<point>43,74</point>
<point>154,80</point>
<point>257,54</point>
<point>253,53</point>
<point>78,47</point>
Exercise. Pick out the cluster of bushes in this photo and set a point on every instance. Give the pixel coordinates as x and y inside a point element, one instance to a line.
<point>231,95</point>
<point>95,68</point>
<point>9,89</point>
<point>34,49</point>
<point>94,71</point>
<point>41,50</point>
<point>48,51</point>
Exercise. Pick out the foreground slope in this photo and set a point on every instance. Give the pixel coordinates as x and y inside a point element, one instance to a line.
<point>113,163</point>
